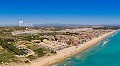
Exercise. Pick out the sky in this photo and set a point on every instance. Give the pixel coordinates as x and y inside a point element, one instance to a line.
<point>84,12</point>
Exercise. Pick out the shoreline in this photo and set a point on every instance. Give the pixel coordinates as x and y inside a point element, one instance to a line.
<point>66,53</point>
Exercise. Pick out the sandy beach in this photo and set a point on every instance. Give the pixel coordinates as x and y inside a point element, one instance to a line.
<point>66,53</point>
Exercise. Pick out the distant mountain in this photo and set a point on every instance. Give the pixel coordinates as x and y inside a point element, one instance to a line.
<point>56,24</point>
<point>59,25</point>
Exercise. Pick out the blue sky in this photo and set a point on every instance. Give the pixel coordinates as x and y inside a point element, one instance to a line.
<point>60,11</point>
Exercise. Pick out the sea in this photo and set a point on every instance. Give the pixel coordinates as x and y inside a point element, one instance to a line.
<point>105,53</point>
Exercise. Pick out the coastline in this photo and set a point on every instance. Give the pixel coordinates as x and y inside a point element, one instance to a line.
<point>66,53</point>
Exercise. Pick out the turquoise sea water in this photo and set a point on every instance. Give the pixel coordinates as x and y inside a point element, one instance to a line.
<point>106,53</point>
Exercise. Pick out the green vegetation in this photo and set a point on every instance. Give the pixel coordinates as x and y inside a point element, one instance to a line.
<point>32,37</point>
<point>68,33</point>
<point>6,57</point>
<point>31,57</point>
<point>11,47</point>
<point>40,52</point>
<point>53,52</point>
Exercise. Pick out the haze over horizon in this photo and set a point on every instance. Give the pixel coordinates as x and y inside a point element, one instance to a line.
<point>87,12</point>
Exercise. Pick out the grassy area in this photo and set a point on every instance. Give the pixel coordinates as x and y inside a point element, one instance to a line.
<point>11,47</point>
<point>2,51</point>
<point>40,52</point>
<point>31,57</point>
<point>6,57</point>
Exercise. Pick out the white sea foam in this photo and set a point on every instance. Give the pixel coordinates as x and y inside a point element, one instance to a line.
<point>104,43</point>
